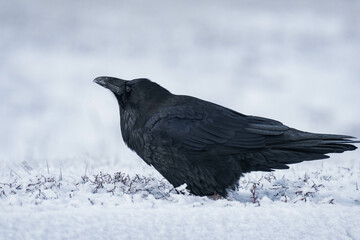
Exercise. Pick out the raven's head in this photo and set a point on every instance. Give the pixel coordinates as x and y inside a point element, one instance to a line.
<point>138,99</point>
<point>138,96</point>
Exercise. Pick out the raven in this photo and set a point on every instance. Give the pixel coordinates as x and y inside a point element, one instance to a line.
<point>205,145</point>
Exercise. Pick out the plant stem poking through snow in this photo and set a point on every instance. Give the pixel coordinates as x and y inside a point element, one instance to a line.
<point>39,188</point>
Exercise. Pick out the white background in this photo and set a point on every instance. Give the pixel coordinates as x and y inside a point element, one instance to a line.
<point>293,61</point>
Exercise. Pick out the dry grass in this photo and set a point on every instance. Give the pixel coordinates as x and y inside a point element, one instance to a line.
<point>45,187</point>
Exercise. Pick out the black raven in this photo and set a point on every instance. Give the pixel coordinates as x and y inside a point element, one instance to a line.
<point>205,145</point>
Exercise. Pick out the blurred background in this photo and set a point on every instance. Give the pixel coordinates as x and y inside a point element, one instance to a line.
<point>293,61</point>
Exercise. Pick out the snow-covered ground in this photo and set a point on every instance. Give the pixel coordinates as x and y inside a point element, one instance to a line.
<point>65,172</point>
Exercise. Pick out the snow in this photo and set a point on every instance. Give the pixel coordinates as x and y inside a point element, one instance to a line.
<point>277,221</point>
<point>65,172</point>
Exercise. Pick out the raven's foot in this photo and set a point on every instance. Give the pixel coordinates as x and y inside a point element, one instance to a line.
<point>215,196</point>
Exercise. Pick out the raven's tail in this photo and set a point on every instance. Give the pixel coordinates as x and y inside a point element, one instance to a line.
<point>295,146</point>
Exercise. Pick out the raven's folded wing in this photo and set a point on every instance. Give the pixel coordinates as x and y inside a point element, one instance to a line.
<point>217,130</point>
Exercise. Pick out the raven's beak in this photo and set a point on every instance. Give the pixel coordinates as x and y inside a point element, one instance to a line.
<point>115,85</point>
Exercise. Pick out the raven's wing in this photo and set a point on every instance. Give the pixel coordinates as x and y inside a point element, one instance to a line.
<point>213,132</point>
<point>212,127</point>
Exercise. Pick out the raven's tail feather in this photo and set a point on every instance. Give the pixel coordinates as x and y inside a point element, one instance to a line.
<point>296,146</point>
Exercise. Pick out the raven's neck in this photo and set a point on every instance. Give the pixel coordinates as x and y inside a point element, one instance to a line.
<point>129,131</point>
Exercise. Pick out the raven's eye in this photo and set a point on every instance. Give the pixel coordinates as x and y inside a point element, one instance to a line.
<point>127,88</point>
